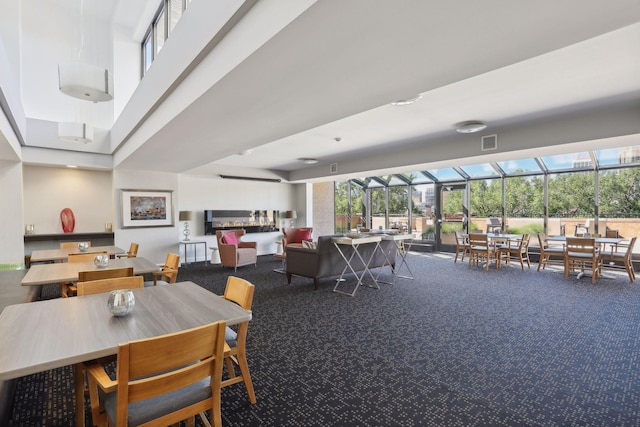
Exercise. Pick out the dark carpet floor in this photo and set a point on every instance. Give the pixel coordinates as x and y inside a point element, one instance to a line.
<point>454,347</point>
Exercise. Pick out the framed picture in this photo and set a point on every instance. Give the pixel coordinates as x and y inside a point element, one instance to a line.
<point>147,208</point>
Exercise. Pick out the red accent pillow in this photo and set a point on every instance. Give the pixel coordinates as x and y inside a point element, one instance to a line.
<point>303,234</point>
<point>230,239</point>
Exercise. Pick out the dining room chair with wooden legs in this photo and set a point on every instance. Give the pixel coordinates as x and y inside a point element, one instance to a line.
<point>582,253</point>
<point>549,254</point>
<point>613,260</point>
<point>480,250</point>
<point>100,286</point>
<point>517,250</point>
<point>239,291</point>
<point>107,273</point>
<point>72,245</point>
<point>169,272</point>
<point>131,253</point>
<point>162,390</point>
<point>462,246</point>
<point>68,289</point>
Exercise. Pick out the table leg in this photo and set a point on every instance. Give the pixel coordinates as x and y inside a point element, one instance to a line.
<point>79,386</point>
<point>364,272</point>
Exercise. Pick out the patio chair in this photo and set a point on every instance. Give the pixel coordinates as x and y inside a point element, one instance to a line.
<point>549,254</point>
<point>613,260</point>
<point>480,250</point>
<point>584,254</point>
<point>462,245</point>
<point>515,249</point>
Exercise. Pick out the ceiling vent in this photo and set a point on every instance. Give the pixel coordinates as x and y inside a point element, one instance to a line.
<point>489,143</point>
<point>333,168</point>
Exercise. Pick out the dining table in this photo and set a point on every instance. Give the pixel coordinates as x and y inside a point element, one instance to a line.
<point>42,274</point>
<point>44,335</point>
<point>57,255</point>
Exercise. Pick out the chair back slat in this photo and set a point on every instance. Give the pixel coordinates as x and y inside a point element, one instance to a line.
<point>107,285</point>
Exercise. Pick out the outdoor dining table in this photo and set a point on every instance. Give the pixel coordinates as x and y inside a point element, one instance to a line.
<point>44,335</point>
<point>55,255</point>
<point>42,274</point>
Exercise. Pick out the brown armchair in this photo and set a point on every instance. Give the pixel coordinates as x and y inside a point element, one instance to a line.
<point>236,255</point>
<point>294,236</point>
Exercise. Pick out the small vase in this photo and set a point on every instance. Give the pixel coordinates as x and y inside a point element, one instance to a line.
<point>121,302</point>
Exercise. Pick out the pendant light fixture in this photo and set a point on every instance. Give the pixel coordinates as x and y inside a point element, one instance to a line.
<point>85,81</point>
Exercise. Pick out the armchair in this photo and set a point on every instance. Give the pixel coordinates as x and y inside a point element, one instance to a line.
<point>233,252</point>
<point>293,236</point>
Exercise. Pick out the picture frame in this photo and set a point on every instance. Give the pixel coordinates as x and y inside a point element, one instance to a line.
<point>147,208</point>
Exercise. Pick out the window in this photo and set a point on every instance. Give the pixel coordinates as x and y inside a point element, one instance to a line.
<point>165,20</point>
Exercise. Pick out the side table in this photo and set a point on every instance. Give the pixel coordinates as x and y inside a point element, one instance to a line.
<point>283,266</point>
<point>195,244</point>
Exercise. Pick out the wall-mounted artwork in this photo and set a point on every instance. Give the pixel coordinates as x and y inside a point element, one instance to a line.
<point>147,208</point>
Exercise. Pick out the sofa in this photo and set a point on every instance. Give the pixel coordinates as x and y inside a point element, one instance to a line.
<point>326,261</point>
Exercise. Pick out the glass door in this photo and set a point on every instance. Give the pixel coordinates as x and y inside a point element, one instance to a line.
<point>453,214</point>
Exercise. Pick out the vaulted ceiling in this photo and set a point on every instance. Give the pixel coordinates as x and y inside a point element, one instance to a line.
<point>540,74</point>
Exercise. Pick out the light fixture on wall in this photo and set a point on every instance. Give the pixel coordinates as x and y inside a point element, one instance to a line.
<point>75,132</point>
<point>185,216</point>
<point>291,216</point>
<point>470,126</point>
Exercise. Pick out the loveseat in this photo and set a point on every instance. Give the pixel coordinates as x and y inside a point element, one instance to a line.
<point>325,260</point>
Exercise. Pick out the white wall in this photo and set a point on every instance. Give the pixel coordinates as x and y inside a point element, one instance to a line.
<point>49,190</point>
<point>198,194</point>
<point>11,224</point>
<point>155,242</point>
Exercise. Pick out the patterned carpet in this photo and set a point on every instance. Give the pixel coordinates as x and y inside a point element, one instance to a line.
<point>454,347</point>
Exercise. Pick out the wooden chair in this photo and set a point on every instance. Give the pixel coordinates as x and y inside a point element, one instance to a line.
<point>462,245</point>
<point>169,272</point>
<point>614,260</point>
<point>71,245</point>
<point>515,249</point>
<point>162,380</point>
<point>239,291</point>
<point>480,250</point>
<point>582,253</point>
<point>132,253</point>
<point>549,254</point>
<point>99,286</point>
<point>68,289</point>
<point>109,273</point>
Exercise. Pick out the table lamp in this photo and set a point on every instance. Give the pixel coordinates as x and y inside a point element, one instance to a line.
<point>292,215</point>
<point>186,216</point>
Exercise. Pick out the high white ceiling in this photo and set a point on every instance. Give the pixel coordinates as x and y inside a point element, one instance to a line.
<point>333,71</point>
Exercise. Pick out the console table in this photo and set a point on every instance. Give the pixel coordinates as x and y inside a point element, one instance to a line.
<point>195,244</point>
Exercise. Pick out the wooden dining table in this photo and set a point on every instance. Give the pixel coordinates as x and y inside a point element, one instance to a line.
<point>42,274</point>
<point>56,255</point>
<point>44,335</point>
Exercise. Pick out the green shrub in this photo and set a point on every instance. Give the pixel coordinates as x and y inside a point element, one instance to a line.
<point>531,229</point>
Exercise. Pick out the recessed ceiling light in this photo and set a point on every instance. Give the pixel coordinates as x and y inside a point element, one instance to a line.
<point>470,126</point>
<point>245,153</point>
<point>308,161</point>
<point>407,101</point>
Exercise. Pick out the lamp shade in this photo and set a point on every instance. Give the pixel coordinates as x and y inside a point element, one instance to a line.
<point>75,132</point>
<point>291,214</point>
<point>185,216</point>
<point>85,81</point>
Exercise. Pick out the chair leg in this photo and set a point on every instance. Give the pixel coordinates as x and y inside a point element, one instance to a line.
<point>244,369</point>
